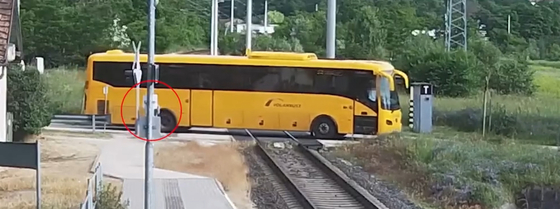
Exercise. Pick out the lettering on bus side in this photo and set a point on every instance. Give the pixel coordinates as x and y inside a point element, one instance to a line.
<point>277,102</point>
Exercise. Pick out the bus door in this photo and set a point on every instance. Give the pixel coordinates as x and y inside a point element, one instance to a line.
<point>202,102</point>
<point>365,104</point>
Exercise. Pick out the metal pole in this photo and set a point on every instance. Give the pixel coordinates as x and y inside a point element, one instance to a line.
<point>216,23</point>
<point>249,23</point>
<point>331,28</point>
<point>231,15</point>
<point>509,24</point>
<point>265,16</point>
<point>212,27</point>
<point>149,149</point>
<point>38,175</point>
<point>106,105</point>
<point>93,123</point>
<point>137,102</point>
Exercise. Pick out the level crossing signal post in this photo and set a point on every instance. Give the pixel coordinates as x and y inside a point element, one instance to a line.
<point>137,71</point>
<point>149,126</point>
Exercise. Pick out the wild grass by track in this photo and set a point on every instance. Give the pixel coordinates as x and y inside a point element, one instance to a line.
<point>449,168</point>
<point>528,119</point>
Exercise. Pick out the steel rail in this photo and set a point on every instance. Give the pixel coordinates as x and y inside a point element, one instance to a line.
<point>312,179</point>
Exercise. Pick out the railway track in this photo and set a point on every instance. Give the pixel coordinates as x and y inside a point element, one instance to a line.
<point>312,181</point>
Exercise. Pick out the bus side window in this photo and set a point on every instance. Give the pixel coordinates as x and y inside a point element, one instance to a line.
<point>268,79</point>
<point>341,84</point>
<point>180,76</point>
<point>302,80</point>
<point>360,85</point>
<point>204,81</point>
<point>332,82</point>
<point>323,83</point>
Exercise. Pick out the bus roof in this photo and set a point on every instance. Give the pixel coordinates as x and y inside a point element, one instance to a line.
<point>387,67</point>
<point>384,65</point>
<point>256,58</point>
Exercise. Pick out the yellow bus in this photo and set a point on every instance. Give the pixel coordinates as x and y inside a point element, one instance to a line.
<point>262,90</point>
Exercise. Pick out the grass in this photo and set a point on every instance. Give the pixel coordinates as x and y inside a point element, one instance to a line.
<point>222,161</point>
<point>65,164</point>
<point>534,119</point>
<point>17,192</point>
<point>66,89</point>
<point>445,171</point>
<point>76,134</point>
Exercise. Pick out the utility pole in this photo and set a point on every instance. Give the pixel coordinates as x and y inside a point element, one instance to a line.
<point>456,24</point>
<point>509,24</point>
<point>266,16</point>
<point>231,16</point>
<point>331,29</point>
<point>149,149</point>
<point>248,24</point>
<point>213,27</point>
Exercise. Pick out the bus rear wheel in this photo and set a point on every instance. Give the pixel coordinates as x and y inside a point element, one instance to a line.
<point>324,127</point>
<point>168,121</point>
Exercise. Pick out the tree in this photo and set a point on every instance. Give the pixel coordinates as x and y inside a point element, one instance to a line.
<point>275,17</point>
<point>365,37</point>
<point>308,28</point>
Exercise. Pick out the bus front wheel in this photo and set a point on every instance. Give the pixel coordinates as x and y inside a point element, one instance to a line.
<point>168,121</point>
<point>324,127</point>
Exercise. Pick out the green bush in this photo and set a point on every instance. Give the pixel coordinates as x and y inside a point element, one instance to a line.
<point>27,101</point>
<point>110,198</point>
<point>513,77</point>
<point>453,74</point>
<point>458,73</point>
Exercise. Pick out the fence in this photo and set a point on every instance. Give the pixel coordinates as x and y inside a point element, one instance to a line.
<point>94,189</point>
<point>86,120</point>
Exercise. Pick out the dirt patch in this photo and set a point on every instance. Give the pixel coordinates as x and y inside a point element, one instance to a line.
<point>57,133</point>
<point>221,161</point>
<point>385,159</point>
<point>65,170</point>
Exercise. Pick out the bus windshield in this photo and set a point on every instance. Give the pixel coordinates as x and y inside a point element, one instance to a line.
<point>389,99</point>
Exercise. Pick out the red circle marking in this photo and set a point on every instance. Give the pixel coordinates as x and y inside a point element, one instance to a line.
<point>180,114</point>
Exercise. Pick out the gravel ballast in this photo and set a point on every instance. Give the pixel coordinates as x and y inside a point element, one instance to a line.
<point>263,194</point>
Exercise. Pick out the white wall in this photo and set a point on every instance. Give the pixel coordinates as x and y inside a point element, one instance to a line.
<point>3,103</point>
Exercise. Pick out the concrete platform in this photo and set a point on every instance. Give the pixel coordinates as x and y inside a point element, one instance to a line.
<point>177,194</point>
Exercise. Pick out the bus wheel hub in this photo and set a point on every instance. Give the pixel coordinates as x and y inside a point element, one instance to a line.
<point>324,128</point>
